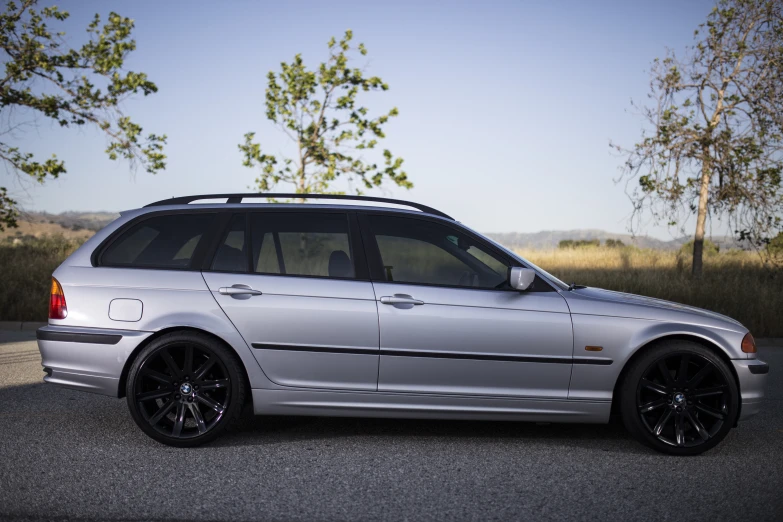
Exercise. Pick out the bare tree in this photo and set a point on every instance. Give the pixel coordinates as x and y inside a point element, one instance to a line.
<point>716,118</point>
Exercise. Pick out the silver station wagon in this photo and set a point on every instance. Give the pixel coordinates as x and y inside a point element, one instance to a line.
<point>192,310</point>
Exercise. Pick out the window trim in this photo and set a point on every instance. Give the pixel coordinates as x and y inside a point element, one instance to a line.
<point>96,258</point>
<point>361,270</point>
<point>375,262</point>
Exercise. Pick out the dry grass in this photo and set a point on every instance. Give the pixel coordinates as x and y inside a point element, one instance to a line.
<point>734,283</point>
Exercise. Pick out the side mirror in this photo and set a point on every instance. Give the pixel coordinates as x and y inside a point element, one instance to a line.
<point>521,278</point>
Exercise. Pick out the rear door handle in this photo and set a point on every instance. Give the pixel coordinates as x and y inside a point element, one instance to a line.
<point>400,299</point>
<point>239,290</point>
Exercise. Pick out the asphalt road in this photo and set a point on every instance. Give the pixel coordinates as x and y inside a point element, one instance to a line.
<point>70,455</point>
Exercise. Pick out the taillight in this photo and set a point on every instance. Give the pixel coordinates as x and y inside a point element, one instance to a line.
<point>748,344</point>
<point>57,307</point>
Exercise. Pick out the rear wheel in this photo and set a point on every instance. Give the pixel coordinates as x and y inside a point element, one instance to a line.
<point>679,398</point>
<point>185,388</point>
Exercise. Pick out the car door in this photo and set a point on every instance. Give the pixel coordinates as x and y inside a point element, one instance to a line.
<point>449,321</point>
<point>295,285</point>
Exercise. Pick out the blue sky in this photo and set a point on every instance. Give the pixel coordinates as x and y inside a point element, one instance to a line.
<point>506,108</point>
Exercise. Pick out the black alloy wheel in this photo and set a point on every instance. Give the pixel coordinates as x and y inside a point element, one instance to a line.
<point>680,398</point>
<point>184,389</point>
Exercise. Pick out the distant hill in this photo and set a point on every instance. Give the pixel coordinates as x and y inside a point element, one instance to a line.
<point>75,225</point>
<point>85,224</point>
<point>549,239</point>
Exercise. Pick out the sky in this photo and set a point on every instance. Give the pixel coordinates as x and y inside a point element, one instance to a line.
<point>506,108</point>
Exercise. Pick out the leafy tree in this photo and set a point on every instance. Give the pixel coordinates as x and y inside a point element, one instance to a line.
<point>614,243</point>
<point>320,112</point>
<point>716,118</point>
<point>73,86</point>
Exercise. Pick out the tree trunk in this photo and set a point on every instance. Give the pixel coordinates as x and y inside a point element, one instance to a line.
<point>701,219</point>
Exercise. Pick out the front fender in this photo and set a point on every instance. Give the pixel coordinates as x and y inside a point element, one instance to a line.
<point>621,338</point>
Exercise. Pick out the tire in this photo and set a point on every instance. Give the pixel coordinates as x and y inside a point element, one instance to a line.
<point>185,388</point>
<point>679,413</point>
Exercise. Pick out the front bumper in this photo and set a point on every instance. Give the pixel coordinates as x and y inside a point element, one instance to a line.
<point>87,359</point>
<point>752,374</point>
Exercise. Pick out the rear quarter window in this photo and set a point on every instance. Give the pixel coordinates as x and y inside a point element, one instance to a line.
<point>166,241</point>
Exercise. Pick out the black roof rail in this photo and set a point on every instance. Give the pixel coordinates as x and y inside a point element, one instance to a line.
<point>237,198</point>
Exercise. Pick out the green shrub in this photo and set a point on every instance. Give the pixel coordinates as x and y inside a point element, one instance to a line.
<point>579,243</point>
<point>775,246</point>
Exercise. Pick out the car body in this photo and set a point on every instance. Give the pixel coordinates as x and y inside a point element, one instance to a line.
<point>374,333</point>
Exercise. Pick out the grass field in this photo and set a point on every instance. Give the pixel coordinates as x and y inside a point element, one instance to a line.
<point>735,283</point>
<point>26,269</point>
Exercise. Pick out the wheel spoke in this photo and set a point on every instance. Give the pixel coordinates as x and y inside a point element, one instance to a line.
<point>700,375</point>
<point>679,428</point>
<point>212,385</point>
<point>156,376</point>
<point>182,415</point>
<point>706,392</point>
<point>202,427</point>
<point>203,369</point>
<point>687,394</point>
<point>154,394</point>
<point>169,360</point>
<point>211,403</point>
<point>179,420</point>
<point>662,422</point>
<point>162,412</point>
<point>711,411</point>
<point>696,423</point>
<point>667,377</point>
<point>654,386</point>
<point>682,373</point>
<point>653,405</point>
<point>188,360</point>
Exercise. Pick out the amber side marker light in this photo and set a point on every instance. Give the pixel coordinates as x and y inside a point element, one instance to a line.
<point>57,307</point>
<point>594,348</point>
<point>748,344</point>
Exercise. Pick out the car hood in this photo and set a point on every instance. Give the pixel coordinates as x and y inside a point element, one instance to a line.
<point>597,301</point>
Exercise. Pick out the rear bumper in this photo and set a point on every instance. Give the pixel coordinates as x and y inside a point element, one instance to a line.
<point>87,359</point>
<point>752,375</point>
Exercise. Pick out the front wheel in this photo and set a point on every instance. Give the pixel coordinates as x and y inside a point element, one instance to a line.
<point>185,388</point>
<point>679,398</point>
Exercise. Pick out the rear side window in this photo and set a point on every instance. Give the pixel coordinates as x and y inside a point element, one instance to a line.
<point>167,241</point>
<point>302,244</point>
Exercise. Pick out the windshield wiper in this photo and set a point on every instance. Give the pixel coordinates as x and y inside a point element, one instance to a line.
<point>574,286</point>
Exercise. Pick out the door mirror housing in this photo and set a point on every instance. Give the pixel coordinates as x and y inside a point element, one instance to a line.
<point>521,278</point>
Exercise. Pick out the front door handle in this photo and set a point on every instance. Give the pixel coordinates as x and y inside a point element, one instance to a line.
<point>239,291</point>
<point>400,299</point>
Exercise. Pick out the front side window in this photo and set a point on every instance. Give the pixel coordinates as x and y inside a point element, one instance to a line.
<point>302,244</point>
<point>167,241</point>
<point>422,252</point>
